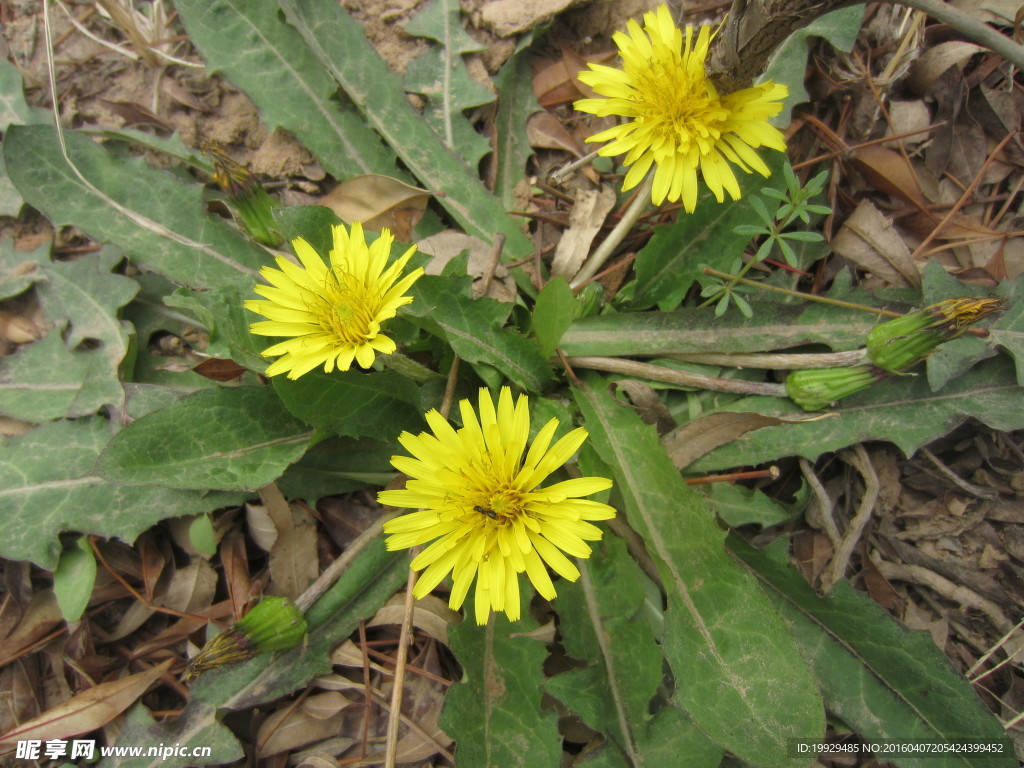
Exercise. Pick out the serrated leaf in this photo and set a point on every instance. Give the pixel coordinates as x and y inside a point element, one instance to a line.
<point>369,580</point>
<point>440,75</point>
<point>155,218</point>
<point>19,270</point>
<point>600,625</point>
<point>266,58</point>
<point>337,466</point>
<point>222,312</point>
<point>47,486</point>
<point>884,681</point>
<point>553,313</point>
<point>1007,330</point>
<point>473,329</point>
<point>353,403</point>
<point>494,713</point>
<point>902,410</point>
<point>721,632</point>
<point>675,255</point>
<point>789,62</point>
<point>516,104</point>
<point>233,439</point>
<point>52,377</point>
<point>340,44</point>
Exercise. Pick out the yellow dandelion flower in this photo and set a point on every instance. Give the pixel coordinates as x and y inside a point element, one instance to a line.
<point>481,499</point>
<point>333,314</point>
<point>678,121</point>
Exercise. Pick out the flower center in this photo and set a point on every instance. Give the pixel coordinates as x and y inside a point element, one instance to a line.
<point>676,108</point>
<point>347,308</point>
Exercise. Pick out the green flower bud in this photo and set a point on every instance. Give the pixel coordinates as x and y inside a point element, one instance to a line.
<point>246,195</point>
<point>814,389</point>
<point>274,624</point>
<point>899,344</point>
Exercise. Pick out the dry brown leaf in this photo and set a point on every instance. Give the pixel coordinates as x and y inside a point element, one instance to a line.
<point>324,705</point>
<point>41,615</point>
<point>260,527</point>
<point>812,552</point>
<point>936,60</point>
<point>290,728</point>
<point>867,238</point>
<point>888,171</point>
<point>648,406</point>
<point>689,442</point>
<point>190,589</point>
<point>907,116</point>
<point>446,245</point>
<point>375,201</point>
<point>585,221</point>
<point>18,329</point>
<point>90,709</point>
<point>294,562</point>
<point>235,560</point>
<point>430,614</point>
<point>545,131</point>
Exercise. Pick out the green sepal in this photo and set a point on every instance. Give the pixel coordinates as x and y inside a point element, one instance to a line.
<point>814,389</point>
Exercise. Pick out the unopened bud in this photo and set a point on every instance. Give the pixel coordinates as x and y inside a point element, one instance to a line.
<point>274,624</point>
<point>900,344</point>
<point>814,389</point>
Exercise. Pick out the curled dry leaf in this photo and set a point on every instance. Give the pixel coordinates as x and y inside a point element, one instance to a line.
<point>41,615</point>
<point>890,172</point>
<point>294,562</point>
<point>260,527</point>
<point>868,239</point>
<point>545,131</point>
<point>379,201</point>
<point>689,442</point>
<point>18,329</point>
<point>585,221</point>
<point>89,710</point>
<point>936,60</point>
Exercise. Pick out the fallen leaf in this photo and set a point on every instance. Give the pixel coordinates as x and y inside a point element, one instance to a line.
<point>868,239</point>
<point>889,171</point>
<point>689,442</point>
<point>91,709</point>
<point>936,60</point>
<point>376,201</point>
<point>585,220</point>
<point>430,614</point>
<point>545,131</point>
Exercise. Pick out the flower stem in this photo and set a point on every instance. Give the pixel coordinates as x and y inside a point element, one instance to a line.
<point>683,378</point>
<point>617,235</point>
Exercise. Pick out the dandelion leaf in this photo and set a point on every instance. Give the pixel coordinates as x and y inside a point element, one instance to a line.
<point>721,632</point>
<point>440,75</point>
<point>886,682</point>
<point>49,486</point>
<point>494,713</point>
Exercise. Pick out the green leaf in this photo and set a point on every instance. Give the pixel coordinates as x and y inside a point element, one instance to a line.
<point>233,439</point>
<point>337,466</point>
<point>48,486</point>
<point>737,505</point>
<point>601,624</point>
<point>884,681</point>
<point>774,326</point>
<point>902,410</point>
<point>1007,330</point>
<point>353,403</point>
<point>721,633</point>
<point>19,270</point>
<point>494,713</point>
<point>440,75</point>
<point>473,329</point>
<point>341,46</point>
<point>673,259</point>
<point>14,110</point>
<point>74,578</point>
<point>157,220</point>
<point>267,59</point>
<point>222,312</point>
<point>201,535</point>
<point>366,584</point>
<point>554,312</point>
<point>516,104</point>
<point>789,63</point>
